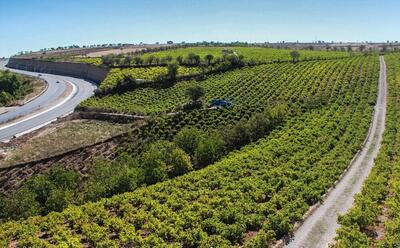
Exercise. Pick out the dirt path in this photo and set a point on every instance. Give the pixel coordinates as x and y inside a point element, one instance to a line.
<point>319,229</point>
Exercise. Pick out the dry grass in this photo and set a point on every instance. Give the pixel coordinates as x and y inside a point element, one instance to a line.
<point>62,138</point>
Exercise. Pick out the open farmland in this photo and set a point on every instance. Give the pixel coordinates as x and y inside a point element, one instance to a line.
<point>200,124</point>
<point>249,86</point>
<point>147,73</point>
<point>374,218</point>
<point>250,197</point>
<point>257,54</point>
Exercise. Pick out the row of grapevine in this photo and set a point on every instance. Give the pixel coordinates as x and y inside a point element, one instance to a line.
<point>262,189</point>
<point>94,61</point>
<point>148,73</point>
<point>249,86</point>
<point>257,54</point>
<point>251,54</point>
<point>380,193</point>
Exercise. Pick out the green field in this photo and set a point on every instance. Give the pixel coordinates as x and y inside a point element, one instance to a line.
<point>251,54</point>
<point>250,197</point>
<point>147,73</point>
<point>248,86</point>
<point>257,54</point>
<point>377,206</point>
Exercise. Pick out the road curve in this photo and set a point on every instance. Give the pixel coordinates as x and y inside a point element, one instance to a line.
<point>58,100</point>
<point>319,229</point>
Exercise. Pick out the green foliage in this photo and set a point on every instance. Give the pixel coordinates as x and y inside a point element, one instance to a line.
<point>195,93</point>
<point>381,188</point>
<point>295,55</point>
<point>257,54</point>
<point>188,138</point>
<point>22,204</point>
<point>172,71</point>
<point>117,76</point>
<point>42,194</point>
<point>106,179</point>
<point>12,87</point>
<point>265,187</point>
<point>164,159</point>
<point>249,86</point>
<point>210,148</point>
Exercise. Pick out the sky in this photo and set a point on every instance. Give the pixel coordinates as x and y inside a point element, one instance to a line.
<point>35,24</point>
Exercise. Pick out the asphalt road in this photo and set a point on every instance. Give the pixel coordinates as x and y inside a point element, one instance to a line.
<point>53,103</point>
<point>319,229</point>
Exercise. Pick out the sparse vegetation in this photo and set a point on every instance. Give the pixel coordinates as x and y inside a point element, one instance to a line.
<point>73,135</point>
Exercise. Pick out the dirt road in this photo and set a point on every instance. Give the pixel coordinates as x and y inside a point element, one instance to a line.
<point>318,230</point>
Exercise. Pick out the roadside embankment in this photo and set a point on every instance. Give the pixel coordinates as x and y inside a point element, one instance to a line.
<point>85,71</point>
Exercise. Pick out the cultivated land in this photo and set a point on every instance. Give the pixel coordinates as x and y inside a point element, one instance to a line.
<point>252,194</point>
<point>257,54</point>
<point>374,219</point>
<point>188,175</point>
<point>249,86</point>
<point>251,54</point>
<point>318,230</point>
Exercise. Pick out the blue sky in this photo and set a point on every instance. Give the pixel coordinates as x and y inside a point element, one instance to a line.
<point>35,24</point>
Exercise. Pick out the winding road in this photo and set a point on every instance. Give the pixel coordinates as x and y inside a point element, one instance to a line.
<point>61,97</point>
<point>319,229</point>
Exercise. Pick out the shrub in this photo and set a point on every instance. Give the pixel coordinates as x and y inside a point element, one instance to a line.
<point>164,159</point>
<point>187,139</point>
<point>210,148</point>
<point>195,93</point>
<point>21,205</point>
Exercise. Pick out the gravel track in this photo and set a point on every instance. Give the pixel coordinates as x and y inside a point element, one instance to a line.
<point>319,228</point>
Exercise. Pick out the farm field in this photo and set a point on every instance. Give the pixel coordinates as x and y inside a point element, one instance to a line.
<point>251,54</point>
<point>258,54</point>
<point>200,124</point>
<point>374,219</point>
<point>147,73</point>
<point>89,60</point>
<point>251,197</point>
<point>249,86</point>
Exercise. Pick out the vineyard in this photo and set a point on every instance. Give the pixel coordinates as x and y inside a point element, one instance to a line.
<point>249,198</point>
<point>249,86</point>
<point>258,54</point>
<point>374,219</point>
<point>251,54</point>
<point>94,61</point>
<point>147,73</point>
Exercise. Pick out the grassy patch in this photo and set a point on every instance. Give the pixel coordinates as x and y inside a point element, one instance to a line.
<point>62,138</point>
